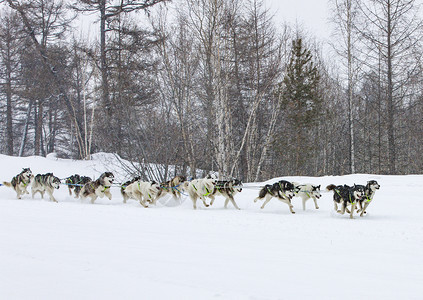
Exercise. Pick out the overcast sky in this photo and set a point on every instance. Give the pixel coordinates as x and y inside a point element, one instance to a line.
<point>310,14</point>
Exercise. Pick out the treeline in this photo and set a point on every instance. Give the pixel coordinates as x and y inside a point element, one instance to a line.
<point>214,85</point>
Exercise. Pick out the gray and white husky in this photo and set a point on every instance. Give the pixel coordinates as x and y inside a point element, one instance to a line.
<point>307,191</point>
<point>200,188</point>
<point>98,188</point>
<point>369,193</point>
<point>45,183</point>
<point>20,182</point>
<point>146,192</point>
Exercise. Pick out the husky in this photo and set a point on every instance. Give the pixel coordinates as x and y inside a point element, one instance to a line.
<point>174,186</point>
<point>369,192</point>
<point>307,191</point>
<point>45,183</point>
<point>227,189</point>
<point>20,182</point>
<point>282,190</point>
<point>146,192</point>
<point>75,183</point>
<point>346,195</point>
<point>98,188</point>
<point>200,188</point>
<point>123,187</point>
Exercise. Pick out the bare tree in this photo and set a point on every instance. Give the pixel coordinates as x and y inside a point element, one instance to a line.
<point>392,30</point>
<point>10,46</point>
<point>344,17</point>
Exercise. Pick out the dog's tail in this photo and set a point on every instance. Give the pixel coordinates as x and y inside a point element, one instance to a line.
<point>331,187</point>
<point>9,184</point>
<point>263,192</point>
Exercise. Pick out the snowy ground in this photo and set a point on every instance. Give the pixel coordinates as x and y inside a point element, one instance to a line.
<point>75,250</point>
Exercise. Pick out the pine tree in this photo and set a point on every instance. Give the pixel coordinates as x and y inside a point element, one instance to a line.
<point>301,104</point>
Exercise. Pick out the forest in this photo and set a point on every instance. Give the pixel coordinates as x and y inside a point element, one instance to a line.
<point>214,85</point>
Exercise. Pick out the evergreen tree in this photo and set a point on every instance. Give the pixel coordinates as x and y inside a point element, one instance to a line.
<point>301,105</point>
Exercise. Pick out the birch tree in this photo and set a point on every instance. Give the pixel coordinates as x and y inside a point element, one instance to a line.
<point>344,18</point>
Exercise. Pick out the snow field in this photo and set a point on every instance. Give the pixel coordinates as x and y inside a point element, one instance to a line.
<point>111,250</point>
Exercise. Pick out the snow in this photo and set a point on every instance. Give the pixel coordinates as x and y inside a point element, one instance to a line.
<point>110,250</point>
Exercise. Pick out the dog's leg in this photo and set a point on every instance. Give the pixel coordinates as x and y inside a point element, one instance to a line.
<point>212,199</point>
<point>335,205</point>
<point>108,194</point>
<point>204,201</point>
<point>194,201</point>
<point>359,206</point>
<point>343,206</point>
<point>315,203</point>
<point>70,190</point>
<point>125,197</point>
<point>232,201</point>
<point>93,198</point>
<point>363,210</point>
<point>258,198</point>
<point>52,197</point>
<point>142,202</point>
<point>304,202</point>
<point>268,197</point>
<point>352,210</point>
<point>288,202</point>
<point>42,194</point>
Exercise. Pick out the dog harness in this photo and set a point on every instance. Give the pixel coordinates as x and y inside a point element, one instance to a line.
<point>207,190</point>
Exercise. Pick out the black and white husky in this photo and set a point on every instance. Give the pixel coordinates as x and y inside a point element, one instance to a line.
<point>200,188</point>
<point>146,192</point>
<point>45,183</point>
<point>369,193</point>
<point>98,188</point>
<point>20,182</point>
<point>227,189</point>
<point>346,195</point>
<point>282,190</point>
<point>75,183</point>
<point>307,191</point>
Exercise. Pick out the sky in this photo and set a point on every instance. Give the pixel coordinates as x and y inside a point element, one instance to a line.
<point>312,15</point>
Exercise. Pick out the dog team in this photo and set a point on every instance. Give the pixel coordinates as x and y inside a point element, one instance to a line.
<point>357,197</point>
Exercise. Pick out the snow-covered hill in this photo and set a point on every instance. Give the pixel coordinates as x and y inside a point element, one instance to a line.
<point>111,250</point>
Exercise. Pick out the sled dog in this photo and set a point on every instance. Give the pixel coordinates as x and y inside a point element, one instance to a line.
<point>307,191</point>
<point>227,189</point>
<point>75,183</point>
<point>146,192</point>
<point>346,195</point>
<point>45,183</point>
<point>174,186</point>
<point>20,182</point>
<point>125,185</point>
<point>200,188</point>
<point>369,192</point>
<point>282,190</point>
<point>98,188</point>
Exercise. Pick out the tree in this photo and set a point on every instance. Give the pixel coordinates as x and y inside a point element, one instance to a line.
<point>301,104</point>
<point>392,30</point>
<point>10,46</point>
<point>344,17</point>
